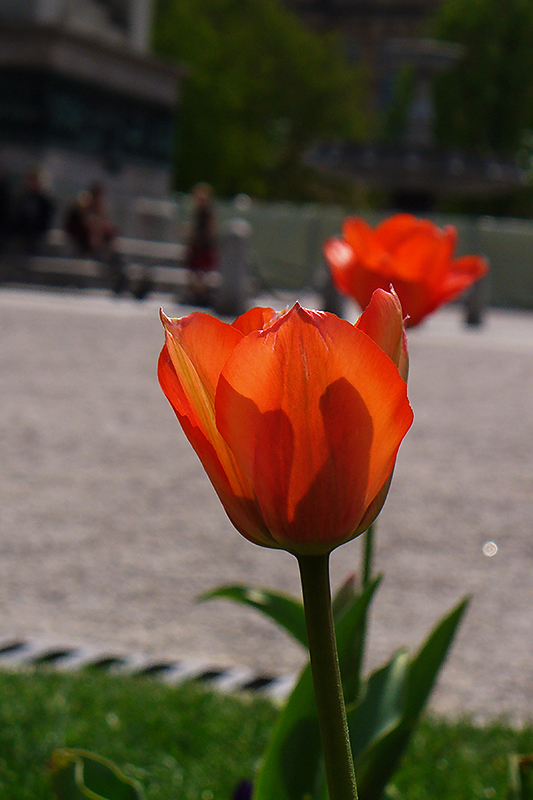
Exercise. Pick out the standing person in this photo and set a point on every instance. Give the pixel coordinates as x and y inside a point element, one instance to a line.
<point>89,223</point>
<point>33,211</point>
<point>5,223</point>
<point>5,207</point>
<point>202,251</point>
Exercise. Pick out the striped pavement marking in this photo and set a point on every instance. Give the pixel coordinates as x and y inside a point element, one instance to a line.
<point>19,653</point>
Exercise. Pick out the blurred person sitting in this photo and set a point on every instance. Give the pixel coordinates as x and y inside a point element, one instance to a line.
<point>89,224</point>
<point>33,211</point>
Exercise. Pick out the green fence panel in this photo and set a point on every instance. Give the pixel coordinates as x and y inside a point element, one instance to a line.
<point>508,245</point>
<point>284,239</point>
<point>287,241</point>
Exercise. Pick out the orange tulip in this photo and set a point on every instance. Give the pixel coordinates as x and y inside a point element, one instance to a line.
<point>413,255</point>
<point>296,417</point>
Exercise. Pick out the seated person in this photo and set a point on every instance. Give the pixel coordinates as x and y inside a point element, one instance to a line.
<point>90,226</point>
<point>33,211</point>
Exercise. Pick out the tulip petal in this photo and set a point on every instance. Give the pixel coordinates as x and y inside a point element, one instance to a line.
<point>342,261</point>
<point>375,506</point>
<point>382,320</point>
<point>422,256</point>
<point>255,319</point>
<point>365,245</point>
<point>349,272</point>
<point>203,343</point>
<point>470,266</point>
<point>357,233</point>
<point>196,349</point>
<point>457,276</point>
<point>314,412</point>
<point>393,231</point>
<point>464,272</point>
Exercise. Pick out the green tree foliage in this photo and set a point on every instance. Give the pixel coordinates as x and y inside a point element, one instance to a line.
<point>260,87</point>
<point>486,103</point>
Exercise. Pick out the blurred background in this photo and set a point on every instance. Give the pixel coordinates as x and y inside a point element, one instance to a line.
<point>296,113</point>
<point>253,97</point>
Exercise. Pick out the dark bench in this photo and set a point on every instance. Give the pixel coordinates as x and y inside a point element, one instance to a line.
<point>58,262</point>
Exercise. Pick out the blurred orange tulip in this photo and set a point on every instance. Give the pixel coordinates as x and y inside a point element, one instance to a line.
<point>296,417</point>
<point>413,255</point>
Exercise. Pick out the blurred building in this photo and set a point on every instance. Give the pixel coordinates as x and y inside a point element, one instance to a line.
<point>80,96</point>
<point>366,26</point>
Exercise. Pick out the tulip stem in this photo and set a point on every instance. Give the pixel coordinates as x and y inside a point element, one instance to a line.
<point>340,774</point>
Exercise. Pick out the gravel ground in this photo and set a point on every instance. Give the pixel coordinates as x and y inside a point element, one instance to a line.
<point>109,528</point>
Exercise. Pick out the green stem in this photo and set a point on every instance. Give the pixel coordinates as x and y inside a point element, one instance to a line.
<point>368,554</point>
<point>314,573</point>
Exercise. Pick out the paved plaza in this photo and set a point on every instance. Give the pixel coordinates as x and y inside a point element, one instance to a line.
<point>109,528</point>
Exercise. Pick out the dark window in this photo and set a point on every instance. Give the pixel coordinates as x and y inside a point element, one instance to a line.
<point>48,109</point>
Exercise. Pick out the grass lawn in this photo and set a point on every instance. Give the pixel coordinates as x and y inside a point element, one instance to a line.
<point>186,743</point>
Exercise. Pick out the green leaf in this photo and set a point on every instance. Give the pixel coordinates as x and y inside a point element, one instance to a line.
<point>291,767</point>
<point>380,762</point>
<point>281,608</point>
<point>81,775</point>
<point>382,706</point>
<point>344,596</point>
<point>286,611</point>
<point>351,652</point>
<point>426,665</point>
<point>521,777</point>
